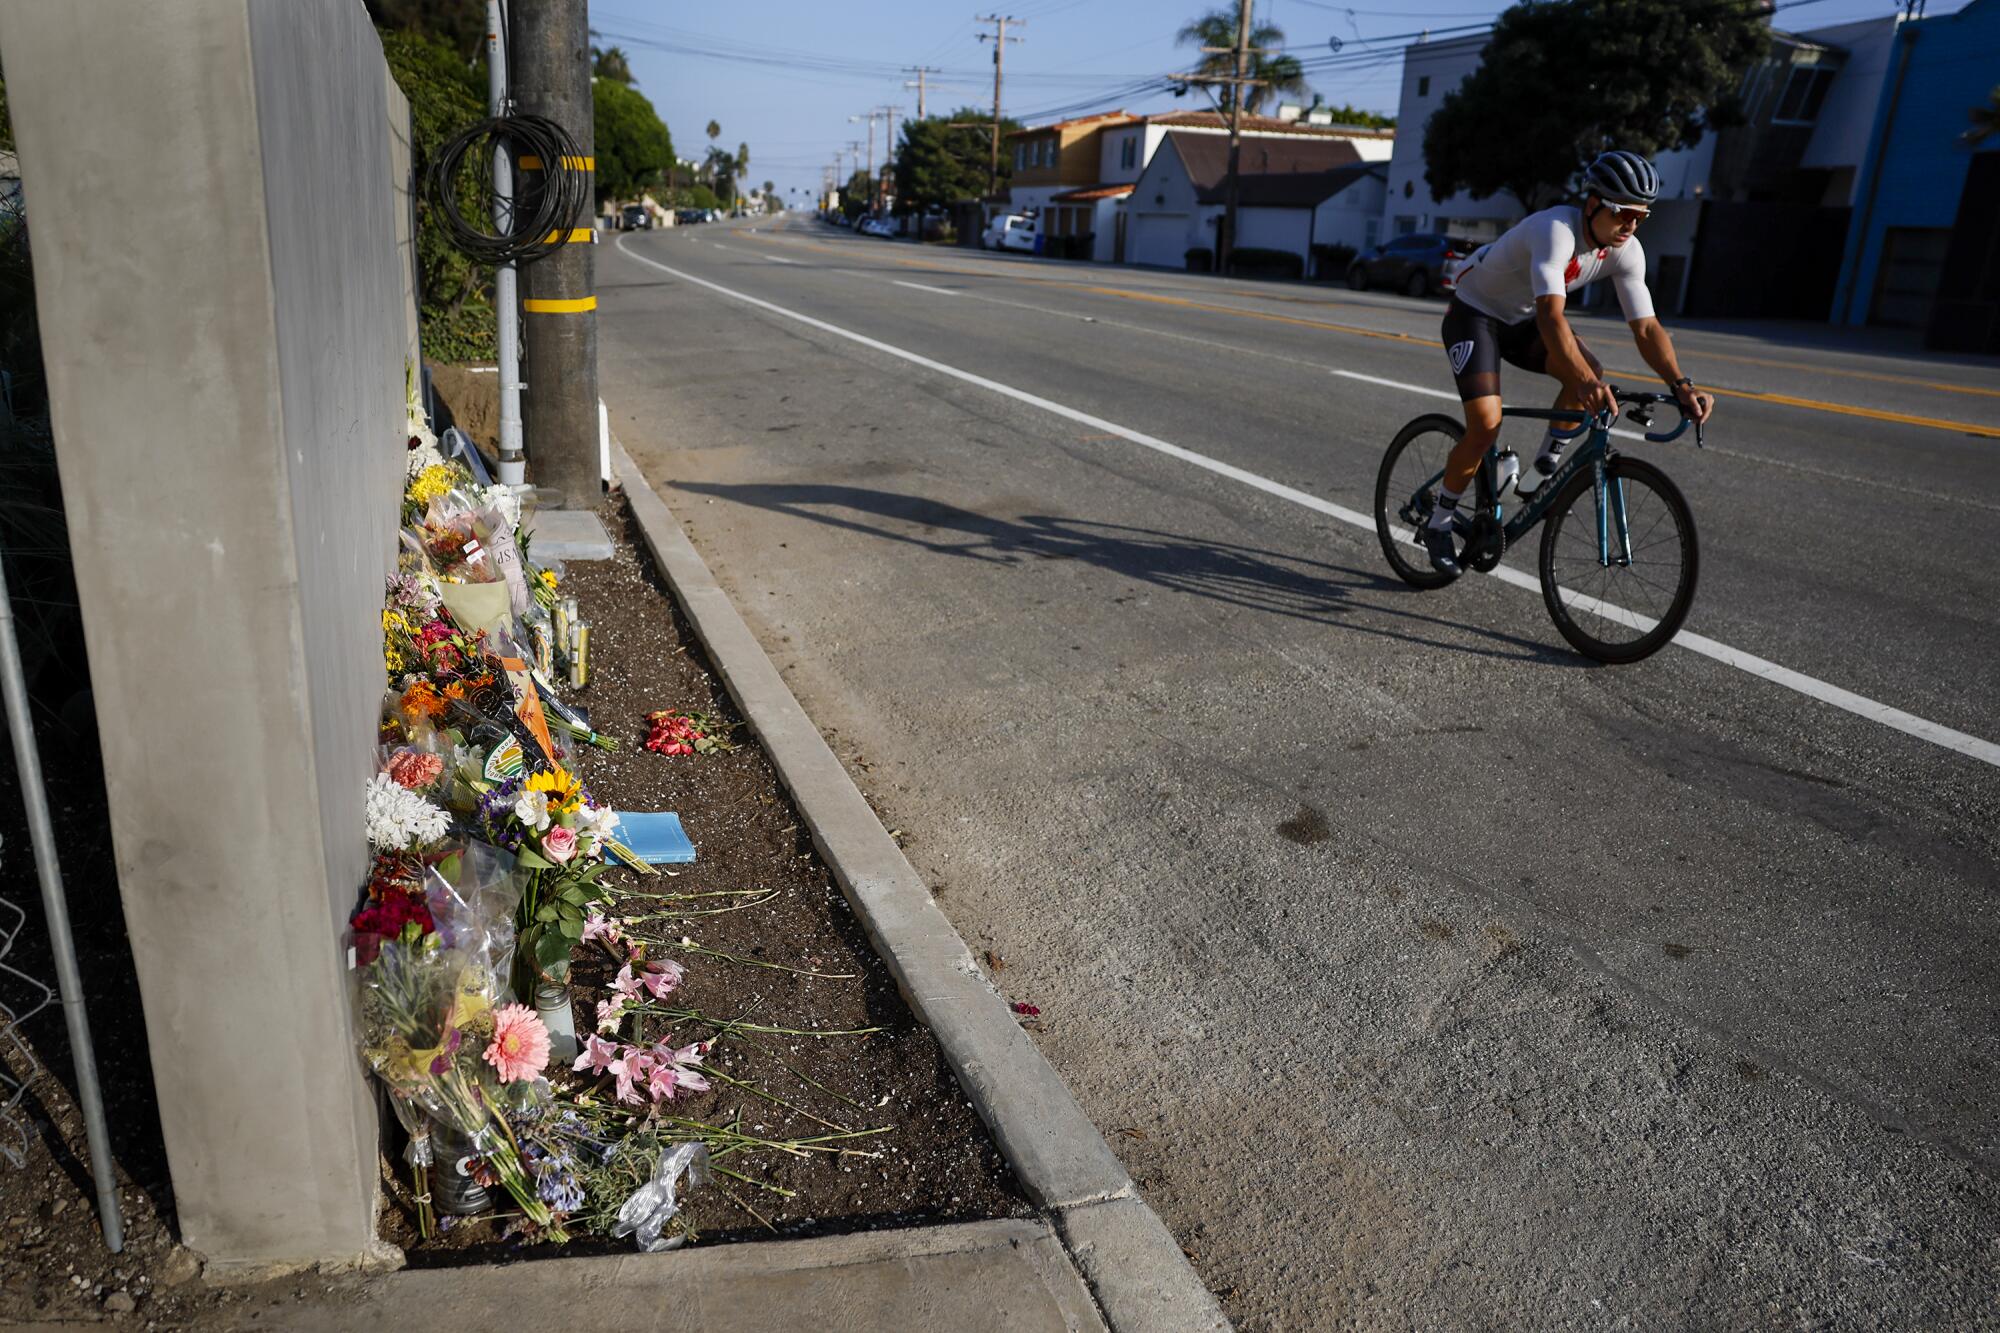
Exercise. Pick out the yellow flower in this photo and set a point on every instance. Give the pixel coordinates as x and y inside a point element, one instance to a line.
<point>431,483</point>
<point>549,578</point>
<point>560,784</point>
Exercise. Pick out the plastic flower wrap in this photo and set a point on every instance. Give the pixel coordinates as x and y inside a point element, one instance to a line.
<point>548,821</point>
<point>432,1032</point>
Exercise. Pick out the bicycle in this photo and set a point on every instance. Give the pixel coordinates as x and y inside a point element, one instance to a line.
<point>1619,531</point>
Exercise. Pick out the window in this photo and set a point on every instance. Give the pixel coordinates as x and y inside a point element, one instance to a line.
<point>1371,231</point>
<point>1804,91</point>
<point>1424,85</point>
<point>1128,153</point>
<point>1020,156</point>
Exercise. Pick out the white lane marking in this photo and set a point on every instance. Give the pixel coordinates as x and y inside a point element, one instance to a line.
<point>1972,746</point>
<point>918,286</point>
<point>775,260</point>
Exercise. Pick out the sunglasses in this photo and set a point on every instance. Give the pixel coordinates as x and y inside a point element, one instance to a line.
<point>1624,211</point>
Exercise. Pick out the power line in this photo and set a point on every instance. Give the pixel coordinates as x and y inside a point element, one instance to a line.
<point>999,38</point>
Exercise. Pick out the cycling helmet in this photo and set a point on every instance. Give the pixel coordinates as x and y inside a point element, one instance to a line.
<point>1622,178</point>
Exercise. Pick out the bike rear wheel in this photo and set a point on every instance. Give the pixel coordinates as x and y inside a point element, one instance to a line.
<point>1416,456</point>
<point>1630,608</point>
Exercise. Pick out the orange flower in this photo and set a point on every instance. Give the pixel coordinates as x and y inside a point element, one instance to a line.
<point>422,700</point>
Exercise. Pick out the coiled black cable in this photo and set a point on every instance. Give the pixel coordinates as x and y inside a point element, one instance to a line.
<point>548,202</point>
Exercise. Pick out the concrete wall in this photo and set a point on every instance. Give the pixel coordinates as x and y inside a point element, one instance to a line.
<point>1430,70</point>
<point>1343,219</point>
<point>226,383</point>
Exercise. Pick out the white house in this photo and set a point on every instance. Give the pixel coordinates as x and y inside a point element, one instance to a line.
<point>1293,193</point>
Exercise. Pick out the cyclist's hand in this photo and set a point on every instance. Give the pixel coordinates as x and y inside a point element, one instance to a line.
<point>1596,396</point>
<point>1694,404</point>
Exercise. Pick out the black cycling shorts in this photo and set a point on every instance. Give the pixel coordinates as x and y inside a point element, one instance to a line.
<point>1476,344</point>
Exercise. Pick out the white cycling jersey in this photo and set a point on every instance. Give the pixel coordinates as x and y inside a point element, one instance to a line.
<point>1549,254</point>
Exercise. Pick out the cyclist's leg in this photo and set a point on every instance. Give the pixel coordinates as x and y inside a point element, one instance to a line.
<point>1475,344</point>
<point>1533,355</point>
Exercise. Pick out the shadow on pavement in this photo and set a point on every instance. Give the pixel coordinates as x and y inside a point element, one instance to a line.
<point>1267,582</point>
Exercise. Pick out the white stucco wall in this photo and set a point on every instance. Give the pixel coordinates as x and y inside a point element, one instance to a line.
<point>1344,219</point>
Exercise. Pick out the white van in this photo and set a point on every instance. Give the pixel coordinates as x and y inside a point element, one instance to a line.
<point>1009,231</point>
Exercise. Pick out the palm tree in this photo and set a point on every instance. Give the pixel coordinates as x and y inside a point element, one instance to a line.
<point>1276,73</point>
<point>609,62</point>
<point>714,130</point>
<point>1985,119</point>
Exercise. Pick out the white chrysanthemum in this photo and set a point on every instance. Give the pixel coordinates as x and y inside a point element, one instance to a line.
<point>503,499</point>
<point>399,819</point>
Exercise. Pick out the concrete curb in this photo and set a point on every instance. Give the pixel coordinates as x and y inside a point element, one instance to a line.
<point>1138,1274</point>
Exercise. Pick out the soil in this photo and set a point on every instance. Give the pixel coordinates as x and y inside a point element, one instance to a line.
<point>935,1163</point>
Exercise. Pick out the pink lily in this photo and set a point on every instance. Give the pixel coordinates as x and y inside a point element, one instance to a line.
<point>661,977</point>
<point>630,1067</point>
<point>598,926</point>
<point>598,1054</point>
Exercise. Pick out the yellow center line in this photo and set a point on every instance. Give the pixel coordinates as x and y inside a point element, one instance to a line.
<point>1778,399</point>
<point>1866,375</point>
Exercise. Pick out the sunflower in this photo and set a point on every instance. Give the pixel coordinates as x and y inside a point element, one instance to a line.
<point>561,786</point>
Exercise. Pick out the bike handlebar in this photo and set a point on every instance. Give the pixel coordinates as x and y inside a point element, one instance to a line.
<point>1644,402</point>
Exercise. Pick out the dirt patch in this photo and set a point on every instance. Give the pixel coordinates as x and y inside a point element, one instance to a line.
<point>469,399</point>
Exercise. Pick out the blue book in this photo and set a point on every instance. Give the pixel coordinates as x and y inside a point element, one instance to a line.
<point>651,838</point>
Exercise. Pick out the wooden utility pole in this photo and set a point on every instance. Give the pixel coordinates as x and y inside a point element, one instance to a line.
<point>1226,242</point>
<point>1239,85</point>
<point>551,65</point>
<point>999,38</point>
<point>888,152</point>
<point>920,71</point>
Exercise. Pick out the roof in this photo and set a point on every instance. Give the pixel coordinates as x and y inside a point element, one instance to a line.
<point>1107,116</point>
<point>1267,125</point>
<point>1090,192</point>
<point>1279,168</point>
<point>1299,189</point>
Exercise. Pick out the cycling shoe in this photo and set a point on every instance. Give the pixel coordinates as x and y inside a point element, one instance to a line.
<point>1443,548</point>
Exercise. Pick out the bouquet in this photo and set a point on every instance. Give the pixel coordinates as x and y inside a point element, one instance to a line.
<point>549,822</point>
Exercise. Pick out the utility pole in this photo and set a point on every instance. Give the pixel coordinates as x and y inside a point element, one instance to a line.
<point>999,38</point>
<point>506,292</point>
<point>552,74</point>
<point>920,71</point>
<point>1226,243</point>
<point>1239,84</point>
<point>888,152</point>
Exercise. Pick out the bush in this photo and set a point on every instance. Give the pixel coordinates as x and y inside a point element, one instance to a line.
<point>1201,259</point>
<point>455,314</point>
<point>1251,262</point>
<point>1331,261</point>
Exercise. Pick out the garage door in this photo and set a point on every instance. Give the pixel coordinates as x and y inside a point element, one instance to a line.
<point>1159,238</point>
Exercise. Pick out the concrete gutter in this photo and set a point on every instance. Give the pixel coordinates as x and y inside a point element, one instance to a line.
<point>1136,1271</point>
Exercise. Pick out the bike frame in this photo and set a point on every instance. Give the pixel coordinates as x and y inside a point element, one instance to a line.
<point>1614,537</point>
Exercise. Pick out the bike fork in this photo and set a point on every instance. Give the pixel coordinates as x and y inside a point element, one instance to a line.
<point>1610,492</point>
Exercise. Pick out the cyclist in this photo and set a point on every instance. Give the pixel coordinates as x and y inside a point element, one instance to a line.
<point>1508,306</point>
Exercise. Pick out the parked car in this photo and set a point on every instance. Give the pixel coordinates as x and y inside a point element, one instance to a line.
<point>634,217</point>
<point>873,226</point>
<point>1414,264</point>
<point>1008,231</point>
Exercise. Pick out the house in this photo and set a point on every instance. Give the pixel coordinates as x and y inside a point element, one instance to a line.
<point>1924,250</point>
<point>1288,188</point>
<point>1081,197</point>
<point>1789,169</point>
<point>1056,177</point>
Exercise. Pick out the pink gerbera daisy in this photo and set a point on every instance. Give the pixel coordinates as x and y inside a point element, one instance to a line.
<point>520,1047</point>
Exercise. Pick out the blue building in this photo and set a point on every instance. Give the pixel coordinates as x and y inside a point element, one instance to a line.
<point>1923,250</point>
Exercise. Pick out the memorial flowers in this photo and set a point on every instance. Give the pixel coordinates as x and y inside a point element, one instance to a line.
<point>400,819</point>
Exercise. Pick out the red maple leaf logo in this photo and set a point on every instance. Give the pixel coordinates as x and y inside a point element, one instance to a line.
<point>1575,267</point>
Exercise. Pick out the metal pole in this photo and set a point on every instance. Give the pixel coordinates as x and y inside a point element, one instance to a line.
<point>552,43</point>
<point>513,463</point>
<point>28,761</point>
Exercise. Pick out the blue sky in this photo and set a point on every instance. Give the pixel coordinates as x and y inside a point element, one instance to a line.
<point>785,75</point>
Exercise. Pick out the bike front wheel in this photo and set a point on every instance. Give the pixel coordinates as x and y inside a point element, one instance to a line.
<point>1619,566</point>
<point>1407,482</point>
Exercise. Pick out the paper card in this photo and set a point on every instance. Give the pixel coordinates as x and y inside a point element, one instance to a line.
<point>526,706</point>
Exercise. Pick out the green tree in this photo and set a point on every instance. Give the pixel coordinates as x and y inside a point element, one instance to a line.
<point>459,24</point>
<point>6,125</point>
<point>1985,119</point>
<point>1562,80</point>
<point>857,195</point>
<point>1354,115</point>
<point>1276,73</point>
<point>634,149</point>
<point>714,131</point>
<point>942,159</point>
<point>609,62</point>
<point>446,95</point>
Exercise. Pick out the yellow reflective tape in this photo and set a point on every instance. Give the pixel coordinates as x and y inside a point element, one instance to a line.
<point>581,236</point>
<point>532,163</point>
<point>559,307</point>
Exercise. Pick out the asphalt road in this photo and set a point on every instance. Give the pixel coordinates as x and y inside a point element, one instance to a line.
<point>1423,973</point>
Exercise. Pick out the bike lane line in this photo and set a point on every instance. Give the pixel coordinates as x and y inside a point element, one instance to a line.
<point>1910,724</point>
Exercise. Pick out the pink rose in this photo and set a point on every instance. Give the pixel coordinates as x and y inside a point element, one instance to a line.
<point>559,844</point>
<point>415,768</point>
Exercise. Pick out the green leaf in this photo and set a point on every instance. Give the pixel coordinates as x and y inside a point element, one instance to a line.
<point>571,929</point>
<point>534,860</point>
<point>547,913</point>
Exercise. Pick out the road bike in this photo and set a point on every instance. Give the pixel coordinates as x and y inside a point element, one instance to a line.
<point>1619,556</point>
